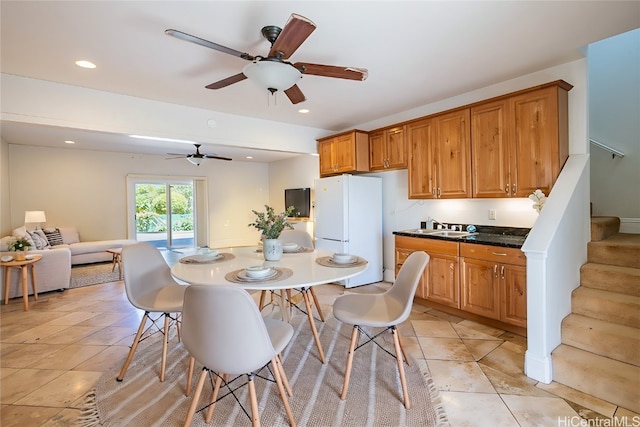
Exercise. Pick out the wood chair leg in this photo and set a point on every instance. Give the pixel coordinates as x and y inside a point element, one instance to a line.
<point>192,364</point>
<point>404,353</point>
<point>165,346</point>
<point>285,380</point>
<point>255,416</point>
<point>214,397</point>
<point>262,296</point>
<point>179,326</point>
<point>317,303</point>
<point>403,379</point>
<point>196,397</point>
<point>312,324</point>
<point>276,372</point>
<point>347,373</point>
<point>134,346</point>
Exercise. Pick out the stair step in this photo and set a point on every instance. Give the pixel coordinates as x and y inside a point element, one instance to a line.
<point>607,339</point>
<point>624,280</point>
<point>602,377</point>
<point>608,306</point>
<point>603,227</point>
<point>621,249</point>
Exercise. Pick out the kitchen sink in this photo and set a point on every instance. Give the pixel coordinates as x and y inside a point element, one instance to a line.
<point>448,233</point>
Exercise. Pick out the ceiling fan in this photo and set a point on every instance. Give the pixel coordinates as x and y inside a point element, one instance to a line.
<point>197,157</point>
<point>273,71</point>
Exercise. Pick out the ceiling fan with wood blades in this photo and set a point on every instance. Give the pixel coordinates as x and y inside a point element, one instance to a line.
<point>273,71</point>
<point>197,157</point>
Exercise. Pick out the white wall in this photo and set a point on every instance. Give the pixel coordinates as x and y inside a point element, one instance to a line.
<point>614,112</point>
<point>88,189</point>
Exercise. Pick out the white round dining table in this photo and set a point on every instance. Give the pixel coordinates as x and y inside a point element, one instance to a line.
<point>306,272</point>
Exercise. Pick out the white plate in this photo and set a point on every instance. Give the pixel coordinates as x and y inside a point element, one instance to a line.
<point>29,257</point>
<point>242,275</point>
<point>209,253</point>
<point>6,258</point>
<point>290,246</point>
<point>258,272</point>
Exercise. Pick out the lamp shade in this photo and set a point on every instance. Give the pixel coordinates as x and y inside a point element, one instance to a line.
<point>272,74</point>
<point>34,216</point>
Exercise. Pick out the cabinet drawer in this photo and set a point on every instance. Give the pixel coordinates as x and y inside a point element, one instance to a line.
<point>427,245</point>
<point>493,253</point>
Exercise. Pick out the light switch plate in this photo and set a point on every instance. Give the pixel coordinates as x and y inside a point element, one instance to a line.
<point>492,214</point>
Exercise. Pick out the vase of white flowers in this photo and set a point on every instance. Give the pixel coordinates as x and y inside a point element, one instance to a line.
<point>538,199</point>
<point>19,246</point>
<point>271,225</point>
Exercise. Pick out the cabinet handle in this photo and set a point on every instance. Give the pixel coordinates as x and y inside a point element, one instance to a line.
<point>433,191</point>
<point>502,271</point>
<point>495,270</point>
<point>513,189</point>
<point>499,254</point>
<point>506,189</point>
<point>439,193</point>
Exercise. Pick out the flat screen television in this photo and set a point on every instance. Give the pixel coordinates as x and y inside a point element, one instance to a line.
<point>300,198</point>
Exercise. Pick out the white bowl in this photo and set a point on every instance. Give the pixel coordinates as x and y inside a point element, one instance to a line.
<point>290,246</point>
<point>6,258</point>
<point>209,253</point>
<point>340,258</point>
<point>258,271</point>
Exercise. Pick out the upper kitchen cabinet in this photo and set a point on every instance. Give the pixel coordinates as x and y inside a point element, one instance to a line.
<point>520,142</point>
<point>388,149</point>
<point>439,156</point>
<point>344,153</point>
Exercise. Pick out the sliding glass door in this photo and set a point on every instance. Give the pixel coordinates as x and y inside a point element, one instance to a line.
<point>165,212</point>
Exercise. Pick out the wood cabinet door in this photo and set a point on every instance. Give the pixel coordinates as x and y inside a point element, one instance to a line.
<point>442,284</point>
<point>401,256</point>
<point>396,148</point>
<point>377,151</point>
<point>453,151</point>
<point>490,156</point>
<point>345,153</point>
<point>534,138</point>
<point>327,163</point>
<point>421,160</point>
<point>481,287</point>
<point>514,297</point>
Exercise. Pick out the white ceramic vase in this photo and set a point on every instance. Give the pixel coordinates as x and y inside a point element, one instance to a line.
<point>272,249</point>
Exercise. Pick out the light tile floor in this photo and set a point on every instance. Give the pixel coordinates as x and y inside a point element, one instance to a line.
<point>52,355</point>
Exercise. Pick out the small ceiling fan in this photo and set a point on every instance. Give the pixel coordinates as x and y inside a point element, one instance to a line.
<point>197,157</point>
<point>273,71</point>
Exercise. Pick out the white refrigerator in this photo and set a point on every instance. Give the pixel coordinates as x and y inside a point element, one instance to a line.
<point>348,219</point>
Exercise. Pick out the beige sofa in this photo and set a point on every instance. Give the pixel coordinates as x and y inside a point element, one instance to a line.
<point>54,269</point>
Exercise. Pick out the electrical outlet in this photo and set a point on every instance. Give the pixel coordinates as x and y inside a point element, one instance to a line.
<point>492,214</point>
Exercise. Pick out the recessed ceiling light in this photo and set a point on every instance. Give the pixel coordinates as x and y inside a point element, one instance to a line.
<point>303,111</point>
<point>68,141</point>
<point>249,157</point>
<point>85,64</point>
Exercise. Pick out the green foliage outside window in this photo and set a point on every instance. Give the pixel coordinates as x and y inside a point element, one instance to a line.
<point>151,208</point>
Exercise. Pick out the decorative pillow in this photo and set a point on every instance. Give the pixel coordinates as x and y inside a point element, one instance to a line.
<point>53,236</point>
<point>4,243</point>
<point>21,232</point>
<point>69,235</point>
<point>39,238</point>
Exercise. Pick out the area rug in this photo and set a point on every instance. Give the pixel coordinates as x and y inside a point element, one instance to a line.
<point>374,398</point>
<point>93,274</point>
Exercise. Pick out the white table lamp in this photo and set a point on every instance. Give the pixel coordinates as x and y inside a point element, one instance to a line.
<point>34,217</point>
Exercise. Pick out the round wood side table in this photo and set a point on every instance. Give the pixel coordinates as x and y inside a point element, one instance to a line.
<point>23,266</point>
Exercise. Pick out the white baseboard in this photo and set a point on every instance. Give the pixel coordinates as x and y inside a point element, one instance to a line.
<point>630,225</point>
<point>540,369</point>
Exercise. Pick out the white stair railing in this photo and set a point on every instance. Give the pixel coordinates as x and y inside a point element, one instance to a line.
<point>613,151</point>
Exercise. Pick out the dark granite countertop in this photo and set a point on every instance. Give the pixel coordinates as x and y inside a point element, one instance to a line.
<point>510,237</point>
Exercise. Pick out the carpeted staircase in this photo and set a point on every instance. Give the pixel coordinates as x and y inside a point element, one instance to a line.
<point>600,350</point>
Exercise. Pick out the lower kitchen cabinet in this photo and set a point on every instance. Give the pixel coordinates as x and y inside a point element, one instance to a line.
<point>441,280</point>
<point>471,280</point>
<point>494,282</point>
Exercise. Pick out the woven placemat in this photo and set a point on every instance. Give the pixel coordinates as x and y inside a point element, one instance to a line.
<point>204,259</point>
<point>300,250</point>
<point>328,262</point>
<point>281,274</point>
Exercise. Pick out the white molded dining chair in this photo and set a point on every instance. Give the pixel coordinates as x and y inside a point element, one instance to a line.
<point>305,240</point>
<point>385,310</point>
<point>223,330</point>
<point>151,287</point>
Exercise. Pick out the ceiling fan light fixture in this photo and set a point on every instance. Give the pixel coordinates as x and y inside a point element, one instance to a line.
<point>272,74</point>
<point>195,160</point>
